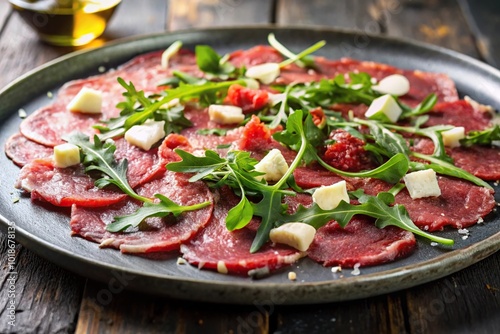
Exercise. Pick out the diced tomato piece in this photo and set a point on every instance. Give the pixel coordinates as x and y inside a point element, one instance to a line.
<point>249,100</point>
<point>256,136</point>
<point>171,142</point>
<point>347,152</point>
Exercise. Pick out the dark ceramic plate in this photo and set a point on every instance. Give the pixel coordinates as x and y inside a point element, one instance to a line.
<point>47,232</point>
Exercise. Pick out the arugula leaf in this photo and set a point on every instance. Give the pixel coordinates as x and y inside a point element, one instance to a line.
<point>211,62</point>
<point>174,118</point>
<point>161,209</point>
<point>99,156</point>
<point>423,107</point>
<point>446,168</point>
<point>484,137</point>
<point>272,212</point>
<point>392,142</point>
<point>377,207</point>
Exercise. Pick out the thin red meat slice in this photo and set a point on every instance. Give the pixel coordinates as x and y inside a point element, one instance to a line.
<point>459,113</point>
<point>155,234</point>
<point>216,248</point>
<point>64,186</point>
<point>259,54</point>
<point>360,242</point>
<point>47,126</point>
<point>460,205</point>
<point>312,177</point>
<point>22,150</point>
<point>142,165</point>
<point>481,161</point>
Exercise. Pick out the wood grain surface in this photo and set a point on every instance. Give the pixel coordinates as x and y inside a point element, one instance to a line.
<point>52,300</point>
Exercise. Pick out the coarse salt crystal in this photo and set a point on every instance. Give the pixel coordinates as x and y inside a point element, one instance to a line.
<point>356,270</point>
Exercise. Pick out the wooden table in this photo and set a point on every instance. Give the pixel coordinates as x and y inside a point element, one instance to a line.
<point>52,300</point>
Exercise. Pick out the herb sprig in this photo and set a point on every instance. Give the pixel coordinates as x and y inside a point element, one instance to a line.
<point>98,156</point>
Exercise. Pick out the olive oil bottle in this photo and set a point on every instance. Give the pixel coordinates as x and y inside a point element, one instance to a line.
<point>66,22</point>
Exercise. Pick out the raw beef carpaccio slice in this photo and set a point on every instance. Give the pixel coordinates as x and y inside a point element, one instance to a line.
<point>481,161</point>
<point>47,126</point>
<point>142,165</point>
<point>218,249</point>
<point>154,234</point>
<point>22,150</point>
<point>459,113</point>
<point>64,186</point>
<point>361,243</point>
<point>461,203</point>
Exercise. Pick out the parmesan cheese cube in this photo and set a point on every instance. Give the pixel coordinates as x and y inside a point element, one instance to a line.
<point>451,138</point>
<point>171,51</point>
<point>87,101</point>
<point>265,73</point>
<point>251,83</point>
<point>422,183</point>
<point>273,165</point>
<point>66,155</point>
<point>329,197</point>
<point>395,84</point>
<point>223,114</point>
<point>145,135</point>
<point>384,107</point>
<point>296,235</point>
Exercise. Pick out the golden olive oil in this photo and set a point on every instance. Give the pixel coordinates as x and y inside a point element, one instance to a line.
<point>66,22</point>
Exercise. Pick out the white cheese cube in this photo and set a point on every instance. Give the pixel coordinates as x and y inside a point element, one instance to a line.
<point>145,135</point>
<point>66,155</point>
<point>88,101</point>
<point>296,235</point>
<point>451,138</point>
<point>395,84</point>
<point>251,83</point>
<point>171,51</point>
<point>223,114</point>
<point>265,73</point>
<point>329,197</point>
<point>273,165</point>
<point>422,183</point>
<point>384,105</point>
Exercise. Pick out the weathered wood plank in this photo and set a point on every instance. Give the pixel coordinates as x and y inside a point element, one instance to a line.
<point>466,302</point>
<point>184,14</point>
<point>46,297</point>
<point>484,20</point>
<point>132,312</point>
<point>437,22</point>
<point>335,14</point>
<point>382,314</point>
